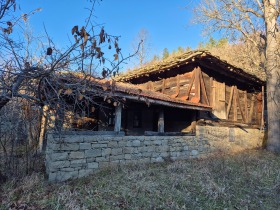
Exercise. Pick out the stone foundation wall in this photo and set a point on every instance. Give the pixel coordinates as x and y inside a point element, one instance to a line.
<point>73,156</point>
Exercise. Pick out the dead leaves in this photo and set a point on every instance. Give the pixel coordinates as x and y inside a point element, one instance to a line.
<point>49,51</point>
<point>75,29</point>
<point>68,91</point>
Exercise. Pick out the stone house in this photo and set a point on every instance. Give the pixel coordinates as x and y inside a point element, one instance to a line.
<point>187,106</point>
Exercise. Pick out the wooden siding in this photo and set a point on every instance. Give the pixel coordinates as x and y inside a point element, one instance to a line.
<point>228,101</point>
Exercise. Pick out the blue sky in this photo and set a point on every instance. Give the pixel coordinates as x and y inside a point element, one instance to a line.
<point>167,21</point>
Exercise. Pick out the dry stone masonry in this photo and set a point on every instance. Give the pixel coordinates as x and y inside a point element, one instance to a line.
<point>72,155</point>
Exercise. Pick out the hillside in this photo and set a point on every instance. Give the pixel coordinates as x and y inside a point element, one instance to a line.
<point>248,180</point>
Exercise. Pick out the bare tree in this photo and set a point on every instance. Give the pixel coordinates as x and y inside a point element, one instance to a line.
<point>38,79</point>
<point>256,21</point>
<point>145,46</point>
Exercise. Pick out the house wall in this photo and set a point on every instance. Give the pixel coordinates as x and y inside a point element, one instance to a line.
<point>244,101</point>
<point>73,156</point>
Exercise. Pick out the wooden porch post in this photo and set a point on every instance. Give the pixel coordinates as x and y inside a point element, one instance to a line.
<point>118,118</point>
<point>161,121</point>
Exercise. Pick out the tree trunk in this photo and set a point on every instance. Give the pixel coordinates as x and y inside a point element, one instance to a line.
<point>273,77</point>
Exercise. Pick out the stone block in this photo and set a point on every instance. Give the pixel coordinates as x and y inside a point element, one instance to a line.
<point>85,145</point>
<point>90,139</point>
<point>69,146</point>
<point>76,155</point>
<point>62,175</point>
<point>186,148</point>
<point>148,142</point>
<point>102,159</point>
<point>85,172</point>
<point>129,143</point>
<point>106,151</point>
<point>158,142</point>
<point>116,151</point>
<point>93,153</point>
<point>162,149</point>
<point>90,160</point>
<point>147,154</point>
<point>96,145</point>
<point>74,139</point>
<point>92,165</point>
<point>122,143</point>
<point>194,152</point>
<point>116,157</point>
<point>57,165</point>
<point>113,144</point>
<point>136,143</point>
<point>127,156</point>
<point>58,156</point>
<point>128,150</point>
<point>67,169</point>
<point>151,149</point>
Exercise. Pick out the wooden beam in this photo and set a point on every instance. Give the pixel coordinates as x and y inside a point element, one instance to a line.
<point>235,104</point>
<point>252,108</point>
<point>161,121</point>
<point>211,91</point>
<point>197,83</point>
<point>118,118</point>
<point>190,86</point>
<point>203,88</point>
<point>230,101</point>
<point>177,87</point>
<point>239,105</point>
<point>246,107</point>
<point>163,102</point>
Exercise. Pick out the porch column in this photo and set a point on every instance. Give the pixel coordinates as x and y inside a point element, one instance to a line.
<point>118,118</point>
<point>161,121</point>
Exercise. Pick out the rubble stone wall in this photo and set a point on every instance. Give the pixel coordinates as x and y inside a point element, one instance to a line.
<point>72,155</point>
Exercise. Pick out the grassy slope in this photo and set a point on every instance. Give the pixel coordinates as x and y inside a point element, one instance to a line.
<point>248,180</point>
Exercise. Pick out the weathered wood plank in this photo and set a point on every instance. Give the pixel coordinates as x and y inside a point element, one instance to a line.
<point>239,105</point>
<point>230,101</point>
<point>190,87</point>
<point>203,88</point>
<point>252,109</point>
<point>197,83</point>
<point>211,91</point>
<point>177,87</point>
<point>246,106</point>
<point>235,104</point>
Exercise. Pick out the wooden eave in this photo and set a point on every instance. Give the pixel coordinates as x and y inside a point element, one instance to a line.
<point>111,88</point>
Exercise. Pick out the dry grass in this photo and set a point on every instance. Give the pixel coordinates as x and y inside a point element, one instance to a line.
<point>247,180</point>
